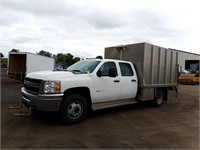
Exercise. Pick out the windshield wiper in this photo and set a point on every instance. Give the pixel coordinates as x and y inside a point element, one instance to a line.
<point>75,71</point>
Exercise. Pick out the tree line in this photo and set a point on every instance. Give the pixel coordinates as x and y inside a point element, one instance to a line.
<point>61,58</point>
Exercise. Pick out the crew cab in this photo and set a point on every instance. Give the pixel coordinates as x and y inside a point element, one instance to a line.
<point>86,85</point>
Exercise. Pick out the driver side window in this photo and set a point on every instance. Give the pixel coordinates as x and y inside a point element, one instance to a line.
<point>104,70</point>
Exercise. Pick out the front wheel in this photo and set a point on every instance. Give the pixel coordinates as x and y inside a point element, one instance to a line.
<point>159,98</point>
<point>73,109</point>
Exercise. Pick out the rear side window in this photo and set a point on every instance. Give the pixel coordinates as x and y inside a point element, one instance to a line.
<point>126,69</point>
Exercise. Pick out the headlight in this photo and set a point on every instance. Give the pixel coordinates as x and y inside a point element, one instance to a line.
<point>52,86</point>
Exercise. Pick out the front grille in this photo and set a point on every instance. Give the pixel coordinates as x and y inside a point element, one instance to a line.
<point>33,85</point>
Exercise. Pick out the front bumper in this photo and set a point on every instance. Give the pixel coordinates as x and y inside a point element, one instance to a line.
<point>43,102</point>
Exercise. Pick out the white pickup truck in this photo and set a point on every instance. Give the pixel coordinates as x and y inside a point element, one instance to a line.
<point>89,85</point>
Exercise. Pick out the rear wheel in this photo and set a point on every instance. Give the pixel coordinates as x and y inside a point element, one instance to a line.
<point>73,109</point>
<point>159,98</point>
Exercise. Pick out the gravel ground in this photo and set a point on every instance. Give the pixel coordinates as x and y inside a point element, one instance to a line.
<point>175,125</point>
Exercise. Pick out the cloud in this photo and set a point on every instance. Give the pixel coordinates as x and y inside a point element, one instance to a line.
<point>93,15</point>
<point>84,28</point>
<point>41,8</point>
<point>100,19</point>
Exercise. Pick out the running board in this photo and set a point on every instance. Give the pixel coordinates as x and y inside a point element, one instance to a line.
<point>115,103</point>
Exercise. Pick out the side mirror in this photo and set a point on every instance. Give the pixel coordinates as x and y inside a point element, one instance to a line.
<point>112,72</point>
<point>99,73</point>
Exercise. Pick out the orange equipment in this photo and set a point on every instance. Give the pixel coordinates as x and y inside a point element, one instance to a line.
<point>189,78</point>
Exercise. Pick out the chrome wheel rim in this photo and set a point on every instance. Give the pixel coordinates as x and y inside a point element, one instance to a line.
<point>75,110</point>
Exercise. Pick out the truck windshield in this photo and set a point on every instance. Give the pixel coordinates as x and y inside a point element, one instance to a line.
<point>84,66</point>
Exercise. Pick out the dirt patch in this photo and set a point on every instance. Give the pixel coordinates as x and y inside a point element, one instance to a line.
<point>175,125</point>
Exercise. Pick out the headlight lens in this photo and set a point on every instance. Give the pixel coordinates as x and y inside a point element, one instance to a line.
<point>52,86</point>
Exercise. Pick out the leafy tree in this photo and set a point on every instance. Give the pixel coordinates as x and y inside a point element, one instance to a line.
<point>54,56</point>
<point>66,59</point>
<point>4,60</point>
<point>45,53</point>
<point>14,50</point>
<point>76,59</point>
<point>2,55</point>
<point>99,57</point>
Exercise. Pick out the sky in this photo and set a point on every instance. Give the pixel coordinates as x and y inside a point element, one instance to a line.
<point>85,27</point>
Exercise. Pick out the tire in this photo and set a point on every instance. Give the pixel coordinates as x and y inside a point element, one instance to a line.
<point>159,98</point>
<point>73,109</point>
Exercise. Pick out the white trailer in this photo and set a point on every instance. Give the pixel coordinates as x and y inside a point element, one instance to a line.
<point>22,63</point>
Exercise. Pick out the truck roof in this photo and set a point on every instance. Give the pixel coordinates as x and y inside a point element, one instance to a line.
<point>116,60</point>
<point>105,60</point>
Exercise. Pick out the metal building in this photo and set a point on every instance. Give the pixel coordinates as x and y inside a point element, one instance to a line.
<point>187,58</point>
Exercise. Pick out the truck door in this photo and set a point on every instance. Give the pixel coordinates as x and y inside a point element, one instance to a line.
<point>128,81</point>
<point>106,88</point>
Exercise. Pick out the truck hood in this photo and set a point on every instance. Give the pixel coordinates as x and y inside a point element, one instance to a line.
<point>50,75</point>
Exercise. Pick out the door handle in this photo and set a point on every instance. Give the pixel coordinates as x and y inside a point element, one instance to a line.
<point>133,80</point>
<point>116,81</point>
